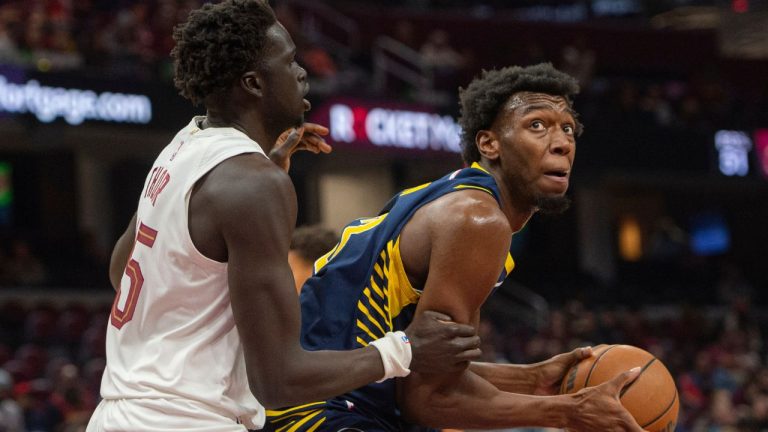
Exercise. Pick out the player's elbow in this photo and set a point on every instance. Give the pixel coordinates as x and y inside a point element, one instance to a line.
<point>271,396</point>
<point>276,390</point>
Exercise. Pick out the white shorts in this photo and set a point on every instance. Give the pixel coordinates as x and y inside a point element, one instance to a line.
<point>159,415</point>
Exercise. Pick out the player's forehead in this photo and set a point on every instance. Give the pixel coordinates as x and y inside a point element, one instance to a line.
<point>524,102</point>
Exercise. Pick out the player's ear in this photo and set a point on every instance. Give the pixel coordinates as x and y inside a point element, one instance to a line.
<point>251,82</point>
<point>487,144</point>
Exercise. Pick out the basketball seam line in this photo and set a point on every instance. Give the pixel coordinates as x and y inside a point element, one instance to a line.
<point>628,386</point>
<point>589,374</point>
<point>666,410</point>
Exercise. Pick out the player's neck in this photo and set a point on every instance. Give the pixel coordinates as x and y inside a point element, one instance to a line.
<point>246,124</point>
<point>517,210</point>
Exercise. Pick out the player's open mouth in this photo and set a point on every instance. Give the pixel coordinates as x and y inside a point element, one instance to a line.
<point>307,105</point>
<point>557,175</point>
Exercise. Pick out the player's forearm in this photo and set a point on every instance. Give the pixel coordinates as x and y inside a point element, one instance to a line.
<point>511,378</point>
<point>470,402</point>
<point>311,376</point>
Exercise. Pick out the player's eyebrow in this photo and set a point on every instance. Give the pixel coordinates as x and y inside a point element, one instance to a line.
<point>543,106</point>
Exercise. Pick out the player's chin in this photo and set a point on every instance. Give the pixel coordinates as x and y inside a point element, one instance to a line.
<point>553,203</point>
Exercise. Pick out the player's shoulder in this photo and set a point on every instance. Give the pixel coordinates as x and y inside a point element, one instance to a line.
<point>249,171</point>
<point>471,210</point>
<point>246,179</point>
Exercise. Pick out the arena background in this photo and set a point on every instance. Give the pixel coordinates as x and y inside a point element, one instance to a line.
<point>664,246</point>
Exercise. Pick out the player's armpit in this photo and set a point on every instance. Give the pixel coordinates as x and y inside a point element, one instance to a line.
<point>121,253</point>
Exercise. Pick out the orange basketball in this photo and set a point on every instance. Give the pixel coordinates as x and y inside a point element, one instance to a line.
<point>651,399</point>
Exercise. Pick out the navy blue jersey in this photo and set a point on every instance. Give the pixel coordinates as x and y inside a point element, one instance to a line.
<point>359,291</point>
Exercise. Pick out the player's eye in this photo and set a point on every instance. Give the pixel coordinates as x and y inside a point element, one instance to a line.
<point>537,125</point>
<point>568,129</point>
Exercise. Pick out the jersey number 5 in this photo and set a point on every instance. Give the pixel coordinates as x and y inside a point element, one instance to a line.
<point>125,301</point>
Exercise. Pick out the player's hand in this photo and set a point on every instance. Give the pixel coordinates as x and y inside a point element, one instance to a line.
<point>599,408</point>
<point>308,137</point>
<point>440,345</point>
<point>550,373</point>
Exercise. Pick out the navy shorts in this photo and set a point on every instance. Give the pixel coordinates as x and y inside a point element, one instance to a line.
<point>325,420</point>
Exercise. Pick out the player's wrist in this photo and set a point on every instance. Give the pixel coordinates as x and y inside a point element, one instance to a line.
<point>395,351</point>
<point>563,410</point>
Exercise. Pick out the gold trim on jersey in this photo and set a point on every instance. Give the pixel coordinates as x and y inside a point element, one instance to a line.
<point>404,293</point>
<point>476,165</point>
<point>365,225</point>
<point>466,186</point>
<point>509,264</point>
<point>414,189</point>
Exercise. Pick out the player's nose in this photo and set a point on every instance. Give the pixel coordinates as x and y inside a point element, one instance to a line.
<point>561,143</point>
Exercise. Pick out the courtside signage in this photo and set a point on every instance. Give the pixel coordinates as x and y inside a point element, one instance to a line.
<point>363,124</point>
<point>73,105</point>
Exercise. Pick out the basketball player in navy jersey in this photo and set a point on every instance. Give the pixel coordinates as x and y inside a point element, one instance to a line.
<point>206,316</point>
<point>445,246</point>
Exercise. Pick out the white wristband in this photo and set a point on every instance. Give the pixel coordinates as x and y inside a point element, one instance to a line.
<point>395,351</point>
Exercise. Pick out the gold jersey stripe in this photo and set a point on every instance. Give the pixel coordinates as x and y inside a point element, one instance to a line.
<point>301,422</point>
<point>316,425</point>
<point>365,328</point>
<point>377,289</point>
<point>377,269</point>
<point>361,341</point>
<point>282,428</point>
<point>373,304</point>
<point>275,413</point>
<point>367,313</point>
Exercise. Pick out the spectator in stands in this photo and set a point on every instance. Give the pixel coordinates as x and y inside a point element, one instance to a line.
<point>11,414</point>
<point>307,245</point>
<point>578,60</point>
<point>445,61</point>
<point>23,267</point>
<point>40,414</point>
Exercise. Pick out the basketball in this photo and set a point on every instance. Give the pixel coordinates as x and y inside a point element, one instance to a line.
<point>651,399</point>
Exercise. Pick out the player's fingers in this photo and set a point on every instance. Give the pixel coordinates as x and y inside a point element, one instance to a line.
<point>465,330</point>
<point>438,316</point>
<point>470,355</point>
<point>294,137</point>
<point>467,343</point>
<point>316,128</point>
<point>314,142</point>
<point>581,353</point>
<point>624,379</point>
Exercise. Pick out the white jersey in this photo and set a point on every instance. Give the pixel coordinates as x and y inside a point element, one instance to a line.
<point>171,334</point>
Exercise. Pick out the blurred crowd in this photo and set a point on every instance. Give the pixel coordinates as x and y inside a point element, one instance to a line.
<point>52,357</point>
<point>119,38</point>
<point>133,39</point>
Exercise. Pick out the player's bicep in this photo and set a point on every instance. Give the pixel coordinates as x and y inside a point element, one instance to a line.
<point>466,258</point>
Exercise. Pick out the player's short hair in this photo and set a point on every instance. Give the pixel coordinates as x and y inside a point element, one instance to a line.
<point>313,241</point>
<point>482,99</point>
<point>217,44</point>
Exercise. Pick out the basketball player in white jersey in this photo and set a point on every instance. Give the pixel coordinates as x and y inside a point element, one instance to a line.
<point>205,325</point>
